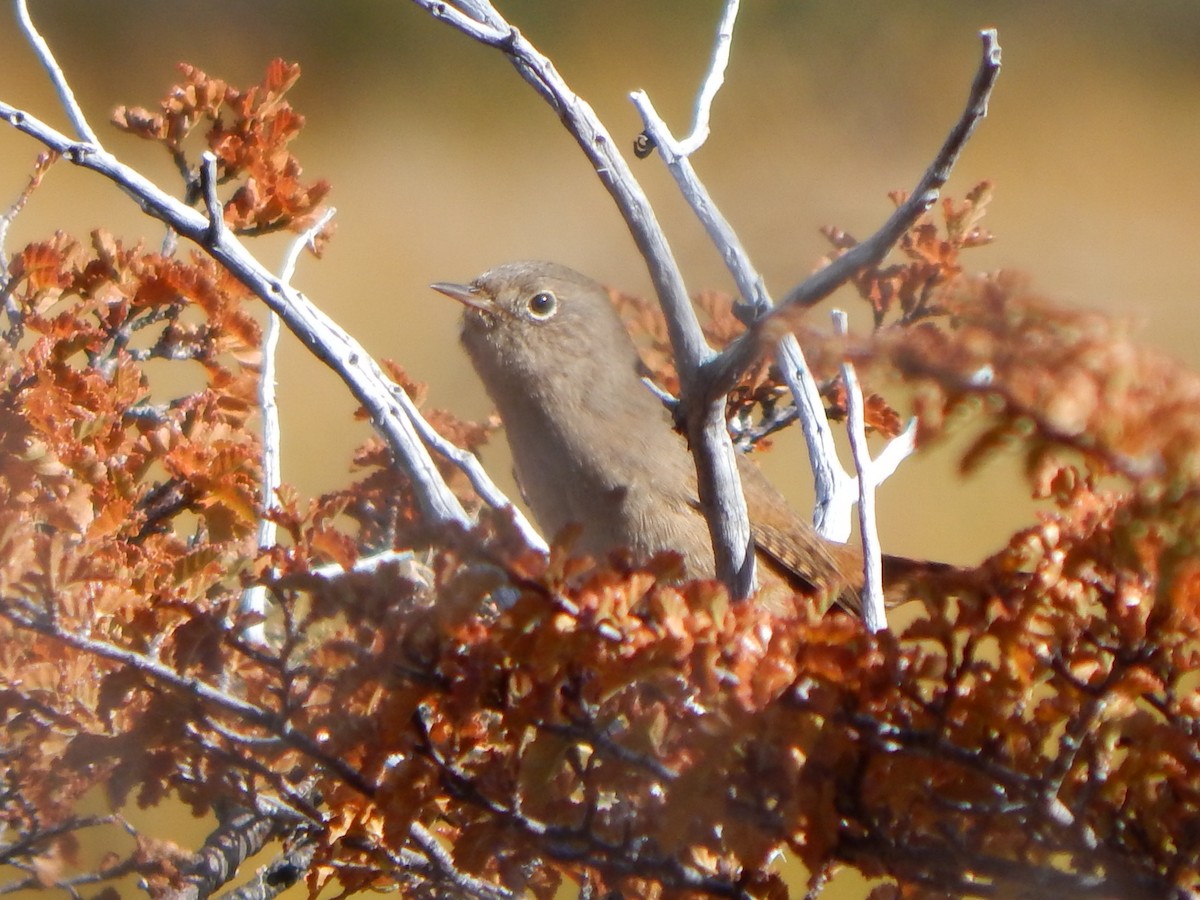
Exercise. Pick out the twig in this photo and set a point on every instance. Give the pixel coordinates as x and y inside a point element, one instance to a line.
<point>44,162</point>
<point>469,464</point>
<point>212,203</point>
<point>833,485</point>
<point>835,489</point>
<point>267,398</point>
<point>719,487</point>
<point>712,84</point>
<point>253,603</point>
<point>444,867</point>
<point>365,565</point>
<point>898,449</point>
<point>871,598</point>
<point>65,95</point>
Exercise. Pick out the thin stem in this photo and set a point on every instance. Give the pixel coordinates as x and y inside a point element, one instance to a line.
<point>254,598</point>
<point>873,613</point>
<point>65,95</point>
<point>714,80</point>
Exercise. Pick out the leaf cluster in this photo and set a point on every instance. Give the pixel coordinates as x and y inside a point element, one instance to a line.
<point>248,131</point>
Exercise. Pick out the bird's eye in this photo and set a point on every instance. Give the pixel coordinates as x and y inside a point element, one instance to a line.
<point>542,305</point>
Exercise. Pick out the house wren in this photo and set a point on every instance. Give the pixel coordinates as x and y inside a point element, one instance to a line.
<point>593,447</point>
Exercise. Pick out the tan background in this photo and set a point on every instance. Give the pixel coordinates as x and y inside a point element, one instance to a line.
<point>443,163</point>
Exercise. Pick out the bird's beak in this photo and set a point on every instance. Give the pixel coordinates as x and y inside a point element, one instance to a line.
<point>466,294</point>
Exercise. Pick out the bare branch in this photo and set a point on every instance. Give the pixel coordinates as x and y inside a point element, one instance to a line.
<point>712,83</point>
<point>82,130</point>
<point>831,482</point>
<point>830,479</point>
<point>873,613</point>
<point>898,449</point>
<point>443,866</point>
<point>208,190</point>
<point>268,402</point>
<point>254,598</point>
<point>473,469</point>
<point>721,373</point>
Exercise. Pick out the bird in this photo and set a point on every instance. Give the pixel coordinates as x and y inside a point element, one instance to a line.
<point>595,450</point>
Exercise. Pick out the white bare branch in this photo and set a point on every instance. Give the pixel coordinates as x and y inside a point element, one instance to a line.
<point>831,481</point>
<point>712,83</point>
<point>873,613</point>
<point>834,486</point>
<point>723,372</point>
<point>254,598</point>
<point>78,121</point>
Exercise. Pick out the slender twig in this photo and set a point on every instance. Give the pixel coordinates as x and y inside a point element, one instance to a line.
<point>363,566</point>
<point>443,865</point>
<point>208,191</point>
<point>253,603</point>
<point>65,95</point>
<point>44,162</point>
<point>719,487</point>
<point>712,84</point>
<point>267,397</point>
<point>873,613</point>
<point>469,464</point>
<point>833,485</point>
<point>36,841</point>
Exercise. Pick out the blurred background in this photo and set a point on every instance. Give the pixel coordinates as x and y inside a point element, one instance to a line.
<point>444,163</point>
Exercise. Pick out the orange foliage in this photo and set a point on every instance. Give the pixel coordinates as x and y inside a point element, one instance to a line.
<point>248,132</point>
<point>472,717</point>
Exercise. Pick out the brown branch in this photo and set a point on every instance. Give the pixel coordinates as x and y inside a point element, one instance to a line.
<point>156,671</point>
<point>235,840</point>
<point>227,844</point>
<point>281,873</point>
